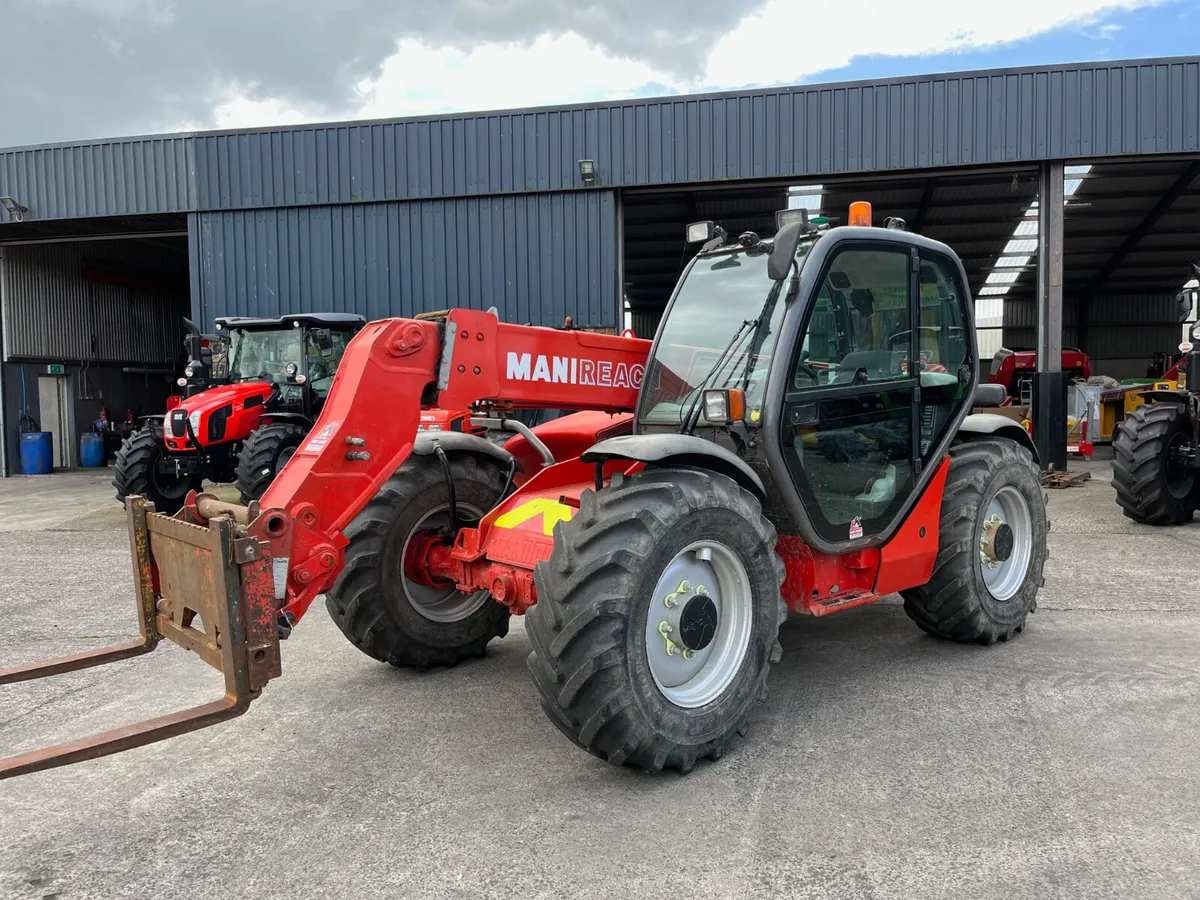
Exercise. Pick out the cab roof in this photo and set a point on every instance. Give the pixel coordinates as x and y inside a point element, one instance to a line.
<point>303,320</point>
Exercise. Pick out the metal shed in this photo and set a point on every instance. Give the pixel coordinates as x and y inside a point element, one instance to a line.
<point>493,209</point>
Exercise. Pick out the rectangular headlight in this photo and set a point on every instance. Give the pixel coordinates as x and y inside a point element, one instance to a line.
<point>716,407</point>
<point>698,232</point>
<point>724,407</point>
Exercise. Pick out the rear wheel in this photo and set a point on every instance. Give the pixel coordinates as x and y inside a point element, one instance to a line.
<point>137,472</point>
<point>377,602</point>
<point>657,618</point>
<point>991,546</point>
<point>264,454</point>
<point>1154,484</point>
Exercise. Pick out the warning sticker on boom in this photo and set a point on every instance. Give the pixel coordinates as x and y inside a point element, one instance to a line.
<point>320,440</point>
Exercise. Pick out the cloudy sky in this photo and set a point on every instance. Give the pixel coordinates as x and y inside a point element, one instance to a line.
<point>83,69</point>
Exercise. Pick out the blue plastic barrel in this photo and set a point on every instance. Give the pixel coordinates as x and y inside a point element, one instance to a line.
<point>37,453</point>
<point>91,449</point>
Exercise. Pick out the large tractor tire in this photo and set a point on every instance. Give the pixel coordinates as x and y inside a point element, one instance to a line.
<point>263,455</point>
<point>991,546</point>
<point>136,472</point>
<point>1152,488</point>
<point>397,619</point>
<point>658,618</point>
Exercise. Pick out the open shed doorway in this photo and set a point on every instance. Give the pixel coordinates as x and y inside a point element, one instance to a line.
<point>93,328</point>
<point>974,211</point>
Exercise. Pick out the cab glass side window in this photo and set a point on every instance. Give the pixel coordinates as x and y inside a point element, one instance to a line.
<point>859,331</point>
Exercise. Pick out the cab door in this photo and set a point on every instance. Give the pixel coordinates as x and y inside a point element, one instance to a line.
<point>878,378</point>
<point>852,406</point>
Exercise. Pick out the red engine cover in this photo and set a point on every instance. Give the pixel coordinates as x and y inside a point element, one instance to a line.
<point>240,405</point>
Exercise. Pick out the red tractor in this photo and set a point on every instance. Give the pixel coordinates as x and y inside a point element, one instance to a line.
<point>245,410</point>
<point>773,450</point>
<point>1014,369</point>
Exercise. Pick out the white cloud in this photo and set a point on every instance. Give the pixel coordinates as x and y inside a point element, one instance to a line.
<point>421,79</point>
<point>236,108</point>
<point>788,41</point>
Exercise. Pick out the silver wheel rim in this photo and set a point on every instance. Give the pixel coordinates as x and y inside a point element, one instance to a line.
<point>1004,577</point>
<point>439,604</point>
<point>687,670</point>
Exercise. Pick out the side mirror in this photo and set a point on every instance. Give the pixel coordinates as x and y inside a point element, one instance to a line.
<point>1183,304</point>
<point>783,253</point>
<point>325,341</point>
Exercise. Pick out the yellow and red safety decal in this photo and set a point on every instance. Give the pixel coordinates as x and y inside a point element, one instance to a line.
<point>549,510</point>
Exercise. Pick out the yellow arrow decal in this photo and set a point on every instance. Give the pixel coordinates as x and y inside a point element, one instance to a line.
<point>551,511</point>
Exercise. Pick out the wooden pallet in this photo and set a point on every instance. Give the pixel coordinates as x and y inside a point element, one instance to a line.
<point>1053,479</point>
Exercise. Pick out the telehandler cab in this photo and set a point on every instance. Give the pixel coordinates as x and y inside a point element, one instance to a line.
<point>776,448</point>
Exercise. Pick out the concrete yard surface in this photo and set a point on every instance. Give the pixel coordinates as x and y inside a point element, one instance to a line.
<point>884,763</point>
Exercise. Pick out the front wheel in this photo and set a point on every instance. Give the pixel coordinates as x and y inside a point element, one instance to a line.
<point>382,602</point>
<point>139,470</point>
<point>657,618</point>
<point>263,455</point>
<point>1152,474</point>
<point>991,546</point>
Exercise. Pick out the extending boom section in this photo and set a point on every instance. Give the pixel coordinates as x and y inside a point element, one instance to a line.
<point>392,369</point>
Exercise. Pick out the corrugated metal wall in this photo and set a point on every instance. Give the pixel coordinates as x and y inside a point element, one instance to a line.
<point>1050,112</point>
<point>1131,326</point>
<point>644,322</point>
<point>51,312</point>
<point>115,178</point>
<point>537,258</point>
<point>1020,323</point>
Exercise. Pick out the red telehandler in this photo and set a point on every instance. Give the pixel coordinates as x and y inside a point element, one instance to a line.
<point>774,449</point>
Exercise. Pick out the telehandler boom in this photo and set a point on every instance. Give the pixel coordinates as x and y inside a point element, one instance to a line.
<point>782,445</point>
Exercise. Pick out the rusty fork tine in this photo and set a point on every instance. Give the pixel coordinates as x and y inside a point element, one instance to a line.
<point>76,662</point>
<point>216,568</point>
<point>125,738</point>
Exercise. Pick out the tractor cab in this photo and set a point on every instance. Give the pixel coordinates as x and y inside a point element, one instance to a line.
<point>251,393</point>
<point>296,355</point>
<point>798,355</point>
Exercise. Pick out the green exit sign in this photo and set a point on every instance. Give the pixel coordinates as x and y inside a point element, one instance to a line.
<point>56,369</point>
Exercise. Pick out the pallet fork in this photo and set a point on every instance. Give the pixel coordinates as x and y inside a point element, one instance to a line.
<point>234,605</point>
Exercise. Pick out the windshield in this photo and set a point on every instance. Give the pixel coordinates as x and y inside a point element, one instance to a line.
<point>718,296</point>
<point>262,355</point>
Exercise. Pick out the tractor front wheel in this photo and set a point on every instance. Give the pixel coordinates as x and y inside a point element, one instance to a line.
<point>137,472</point>
<point>1151,473</point>
<point>391,613</point>
<point>263,455</point>
<point>991,546</point>
<point>657,618</point>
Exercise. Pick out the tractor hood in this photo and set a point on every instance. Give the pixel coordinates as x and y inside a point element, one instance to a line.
<point>216,416</point>
<point>216,397</point>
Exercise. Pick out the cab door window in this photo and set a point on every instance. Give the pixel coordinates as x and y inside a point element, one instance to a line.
<point>944,353</point>
<point>850,413</point>
<point>323,361</point>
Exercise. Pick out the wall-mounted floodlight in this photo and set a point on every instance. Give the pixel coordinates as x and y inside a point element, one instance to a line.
<point>587,171</point>
<point>16,211</point>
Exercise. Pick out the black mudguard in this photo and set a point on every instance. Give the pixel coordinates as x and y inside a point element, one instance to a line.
<point>979,426</point>
<point>677,449</point>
